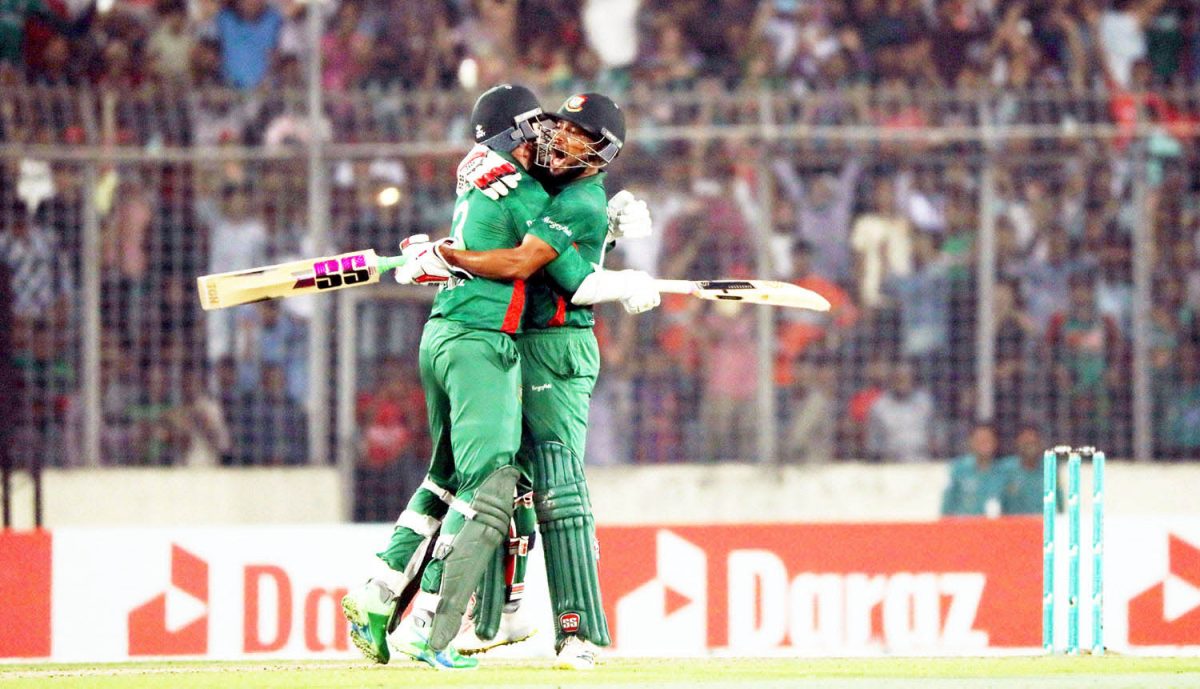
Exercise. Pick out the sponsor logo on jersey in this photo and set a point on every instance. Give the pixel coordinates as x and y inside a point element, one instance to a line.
<point>575,103</point>
<point>539,388</point>
<point>558,226</point>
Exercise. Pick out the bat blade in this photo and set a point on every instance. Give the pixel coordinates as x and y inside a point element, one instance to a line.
<point>768,292</point>
<point>307,276</point>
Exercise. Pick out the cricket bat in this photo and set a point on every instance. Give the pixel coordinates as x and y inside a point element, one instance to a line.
<point>328,273</point>
<point>308,276</point>
<point>769,292</point>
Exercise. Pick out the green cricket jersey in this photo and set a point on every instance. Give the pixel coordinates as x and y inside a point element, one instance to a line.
<point>977,491</point>
<point>576,217</point>
<point>480,224</point>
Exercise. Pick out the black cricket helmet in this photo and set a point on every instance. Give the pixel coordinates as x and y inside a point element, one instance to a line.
<point>505,116</point>
<point>597,115</point>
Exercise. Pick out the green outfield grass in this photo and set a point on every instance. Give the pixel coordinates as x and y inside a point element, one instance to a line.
<point>889,673</point>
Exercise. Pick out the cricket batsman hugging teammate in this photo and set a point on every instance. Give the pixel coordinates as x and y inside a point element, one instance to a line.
<point>508,361</point>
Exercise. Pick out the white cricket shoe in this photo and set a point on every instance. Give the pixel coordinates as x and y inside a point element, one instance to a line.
<point>576,654</point>
<point>515,627</point>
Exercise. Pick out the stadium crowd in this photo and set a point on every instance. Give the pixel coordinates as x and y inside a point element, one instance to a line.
<point>889,230</point>
<point>800,45</point>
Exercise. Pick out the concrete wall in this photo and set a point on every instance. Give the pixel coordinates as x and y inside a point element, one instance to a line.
<point>183,497</point>
<point>669,494</point>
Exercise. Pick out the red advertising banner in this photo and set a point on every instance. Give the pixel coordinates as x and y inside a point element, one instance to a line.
<point>948,586</point>
<point>25,584</point>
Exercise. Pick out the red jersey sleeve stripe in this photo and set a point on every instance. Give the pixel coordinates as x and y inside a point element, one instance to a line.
<point>516,306</point>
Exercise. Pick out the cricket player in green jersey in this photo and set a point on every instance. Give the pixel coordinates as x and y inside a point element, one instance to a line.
<point>560,358</point>
<point>471,377</point>
<point>470,372</point>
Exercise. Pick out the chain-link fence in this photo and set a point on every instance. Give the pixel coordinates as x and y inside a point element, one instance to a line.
<point>1030,260</point>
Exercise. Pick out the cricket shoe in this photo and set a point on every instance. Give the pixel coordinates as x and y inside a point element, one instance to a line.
<point>515,627</point>
<point>576,654</point>
<point>409,641</point>
<point>368,609</point>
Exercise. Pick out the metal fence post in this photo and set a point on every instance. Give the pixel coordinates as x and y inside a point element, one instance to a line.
<point>1143,442</point>
<point>985,277</point>
<point>319,339</point>
<point>768,421</point>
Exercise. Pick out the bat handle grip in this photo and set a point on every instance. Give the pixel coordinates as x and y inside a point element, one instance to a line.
<point>675,286</point>
<point>386,263</point>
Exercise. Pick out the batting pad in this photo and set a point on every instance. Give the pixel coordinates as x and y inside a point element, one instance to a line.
<point>564,512</point>
<point>504,581</point>
<point>466,554</point>
<point>489,596</point>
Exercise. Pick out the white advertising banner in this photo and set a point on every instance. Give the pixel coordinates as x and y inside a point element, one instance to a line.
<point>953,586</point>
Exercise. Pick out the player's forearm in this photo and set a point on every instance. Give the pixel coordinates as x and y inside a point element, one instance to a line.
<point>518,263</point>
<point>497,264</point>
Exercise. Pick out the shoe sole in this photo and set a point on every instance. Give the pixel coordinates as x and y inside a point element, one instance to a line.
<point>506,642</point>
<point>353,615</point>
<point>425,658</point>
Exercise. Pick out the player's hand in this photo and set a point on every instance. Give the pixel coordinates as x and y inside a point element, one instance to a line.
<point>628,217</point>
<point>486,171</point>
<point>425,265</point>
<point>641,295</point>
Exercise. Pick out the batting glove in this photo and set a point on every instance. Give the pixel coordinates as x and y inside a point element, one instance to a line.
<point>486,171</point>
<point>426,265</point>
<point>628,216</point>
<point>641,295</point>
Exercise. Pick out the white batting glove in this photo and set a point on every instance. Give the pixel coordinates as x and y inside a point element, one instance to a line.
<point>486,171</point>
<point>635,290</point>
<point>641,294</point>
<point>425,265</point>
<point>628,216</point>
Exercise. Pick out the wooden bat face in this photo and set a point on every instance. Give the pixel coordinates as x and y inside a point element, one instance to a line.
<point>306,276</point>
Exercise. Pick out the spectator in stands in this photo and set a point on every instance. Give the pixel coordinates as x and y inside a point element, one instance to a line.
<point>800,330</point>
<point>730,379</point>
<point>237,237</point>
<point>979,480</point>
<point>204,63</point>
<point>823,206</point>
<point>1045,283</point>
<point>1086,351</point>
<point>1178,406</point>
<point>157,441</point>
<point>200,425</point>
<point>395,442</point>
<point>923,297</point>
<point>270,428</point>
<point>882,240</point>
<point>125,258</point>
<point>269,335</point>
<point>853,431</point>
<point>609,439</point>
<point>812,406</point>
<point>172,42</point>
<point>30,254</point>
<point>56,68</point>
<point>16,16</point>
<point>345,49</point>
<point>1122,36</point>
<point>1023,495</point>
<point>1015,336</point>
<point>902,425</point>
<point>249,33</point>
